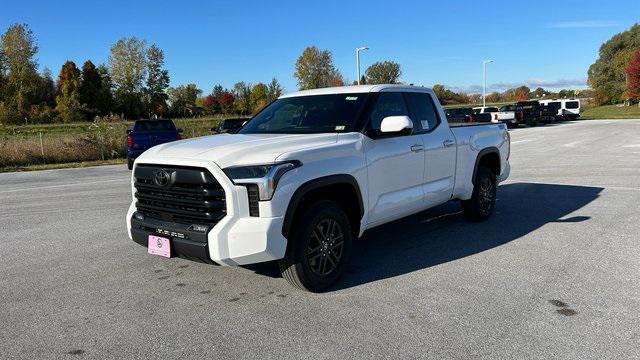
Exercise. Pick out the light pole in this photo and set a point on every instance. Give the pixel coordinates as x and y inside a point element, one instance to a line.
<point>358,60</point>
<point>484,81</point>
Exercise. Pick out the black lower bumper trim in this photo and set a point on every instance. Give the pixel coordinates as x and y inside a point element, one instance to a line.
<point>184,242</point>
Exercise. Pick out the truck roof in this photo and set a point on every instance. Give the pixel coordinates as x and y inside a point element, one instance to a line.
<point>355,89</point>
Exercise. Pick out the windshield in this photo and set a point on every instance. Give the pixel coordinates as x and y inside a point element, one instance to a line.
<point>308,115</point>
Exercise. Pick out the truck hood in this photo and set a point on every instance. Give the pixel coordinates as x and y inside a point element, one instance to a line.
<point>238,149</point>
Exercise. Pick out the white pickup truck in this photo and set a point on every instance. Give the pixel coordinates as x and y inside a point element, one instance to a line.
<point>308,175</point>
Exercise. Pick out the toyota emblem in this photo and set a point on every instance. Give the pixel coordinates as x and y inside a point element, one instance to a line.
<point>159,243</point>
<point>162,178</point>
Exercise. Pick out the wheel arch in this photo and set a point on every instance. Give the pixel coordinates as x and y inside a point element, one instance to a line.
<point>489,157</point>
<point>342,188</point>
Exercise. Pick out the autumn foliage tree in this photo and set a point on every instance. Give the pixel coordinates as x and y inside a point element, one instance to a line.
<point>68,98</point>
<point>633,77</point>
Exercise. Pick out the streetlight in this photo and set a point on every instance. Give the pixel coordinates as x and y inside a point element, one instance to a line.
<point>358,60</point>
<point>484,81</point>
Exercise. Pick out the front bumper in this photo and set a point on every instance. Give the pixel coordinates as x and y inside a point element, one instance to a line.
<point>237,239</point>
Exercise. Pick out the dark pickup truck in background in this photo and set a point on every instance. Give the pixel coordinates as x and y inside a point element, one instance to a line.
<point>145,134</point>
<point>230,126</point>
<point>528,112</point>
<point>466,115</point>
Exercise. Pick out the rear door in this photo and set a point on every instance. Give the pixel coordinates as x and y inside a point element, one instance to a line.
<point>439,149</point>
<point>395,164</point>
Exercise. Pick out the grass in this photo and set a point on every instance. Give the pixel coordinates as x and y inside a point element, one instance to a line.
<point>67,165</point>
<point>610,112</point>
<point>76,143</point>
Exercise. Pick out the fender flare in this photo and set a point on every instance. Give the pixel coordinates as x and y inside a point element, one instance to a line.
<point>314,184</point>
<point>481,154</point>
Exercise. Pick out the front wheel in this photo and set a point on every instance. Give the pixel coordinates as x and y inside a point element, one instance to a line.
<point>319,250</point>
<point>483,200</point>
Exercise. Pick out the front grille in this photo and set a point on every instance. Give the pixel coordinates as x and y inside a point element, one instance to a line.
<point>178,194</point>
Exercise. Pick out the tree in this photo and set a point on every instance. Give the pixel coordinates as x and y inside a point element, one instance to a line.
<point>209,103</point>
<point>226,101</point>
<point>522,93</point>
<point>633,77</point>
<point>128,66</point>
<point>386,72</point>
<point>315,69</point>
<point>183,99</point>
<point>242,94</point>
<point>274,90</point>
<point>607,75</point>
<point>157,81</point>
<point>90,88</point>
<point>47,89</point>
<point>440,91</point>
<point>68,99</point>
<point>258,97</point>
<point>105,96</point>
<point>21,80</point>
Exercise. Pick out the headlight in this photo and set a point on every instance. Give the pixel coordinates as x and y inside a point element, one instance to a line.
<point>265,176</point>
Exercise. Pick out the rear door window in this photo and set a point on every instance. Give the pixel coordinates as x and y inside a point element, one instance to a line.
<point>422,110</point>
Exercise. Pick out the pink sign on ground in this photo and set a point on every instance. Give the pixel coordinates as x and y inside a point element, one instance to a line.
<point>159,246</point>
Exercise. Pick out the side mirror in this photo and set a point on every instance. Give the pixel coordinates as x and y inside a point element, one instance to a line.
<point>396,124</point>
<point>214,130</point>
<point>128,131</point>
<point>180,131</point>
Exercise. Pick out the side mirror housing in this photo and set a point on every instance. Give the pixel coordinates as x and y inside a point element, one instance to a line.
<point>396,125</point>
<point>180,131</point>
<point>128,131</point>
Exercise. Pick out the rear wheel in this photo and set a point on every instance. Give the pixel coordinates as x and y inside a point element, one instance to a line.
<point>319,249</point>
<point>483,201</point>
<point>130,163</point>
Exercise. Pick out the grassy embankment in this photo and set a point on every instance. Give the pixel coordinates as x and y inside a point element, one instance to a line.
<point>610,112</point>
<point>75,144</point>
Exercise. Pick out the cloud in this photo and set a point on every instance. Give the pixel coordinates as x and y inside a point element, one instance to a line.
<point>531,83</point>
<point>583,24</point>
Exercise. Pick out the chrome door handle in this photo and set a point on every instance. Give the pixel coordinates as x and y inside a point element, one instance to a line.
<point>448,143</point>
<point>417,148</point>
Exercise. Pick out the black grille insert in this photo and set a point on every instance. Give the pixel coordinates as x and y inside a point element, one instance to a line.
<point>179,194</point>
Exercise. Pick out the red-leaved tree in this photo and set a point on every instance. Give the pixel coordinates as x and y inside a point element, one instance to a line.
<point>226,101</point>
<point>633,77</point>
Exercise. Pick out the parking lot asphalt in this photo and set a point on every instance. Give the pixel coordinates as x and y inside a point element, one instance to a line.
<point>554,274</point>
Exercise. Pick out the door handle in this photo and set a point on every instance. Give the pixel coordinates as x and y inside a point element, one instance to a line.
<point>448,143</point>
<point>417,148</point>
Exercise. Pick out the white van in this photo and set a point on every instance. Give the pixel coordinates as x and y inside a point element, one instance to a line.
<point>568,109</point>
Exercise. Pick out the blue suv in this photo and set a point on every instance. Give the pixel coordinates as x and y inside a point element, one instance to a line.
<point>145,134</point>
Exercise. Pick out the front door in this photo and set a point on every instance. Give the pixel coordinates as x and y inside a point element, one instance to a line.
<point>395,165</point>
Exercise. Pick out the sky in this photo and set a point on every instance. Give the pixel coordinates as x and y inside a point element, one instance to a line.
<point>535,43</point>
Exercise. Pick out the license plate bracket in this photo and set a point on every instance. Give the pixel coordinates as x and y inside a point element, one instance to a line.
<point>160,246</point>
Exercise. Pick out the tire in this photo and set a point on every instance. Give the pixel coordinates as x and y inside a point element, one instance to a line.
<point>130,163</point>
<point>315,257</point>
<point>483,200</point>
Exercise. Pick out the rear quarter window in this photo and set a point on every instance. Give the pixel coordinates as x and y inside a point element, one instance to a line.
<point>572,105</point>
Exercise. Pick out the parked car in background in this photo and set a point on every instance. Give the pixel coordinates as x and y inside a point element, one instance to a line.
<point>145,134</point>
<point>231,125</point>
<point>528,112</point>
<point>466,115</point>
<point>308,175</point>
<point>507,115</point>
<point>491,110</point>
<point>567,109</point>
